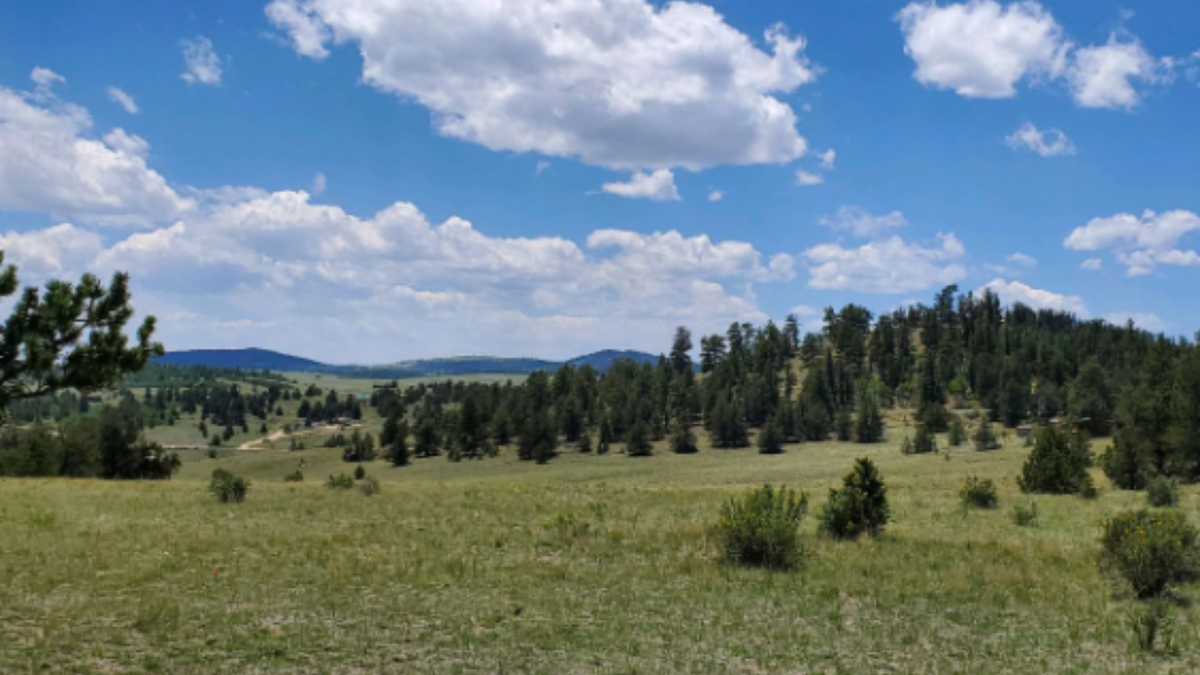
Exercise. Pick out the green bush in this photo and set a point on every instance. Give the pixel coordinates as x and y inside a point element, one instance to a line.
<point>368,486</point>
<point>1162,492</point>
<point>763,528</point>
<point>342,481</point>
<point>980,494</point>
<point>985,437</point>
<point>1058,464</point>
<point>359,472</point>
<point>925,442</point>
<point>1150,550</point>
<point>958,434</point>
<point>228,488</point>
<point>1149,621</point>
<point>859,507</point>
<point>1025,516</point>
<point>294,477</point>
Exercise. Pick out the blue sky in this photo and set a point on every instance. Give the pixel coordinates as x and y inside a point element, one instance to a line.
<point>1045,150</point>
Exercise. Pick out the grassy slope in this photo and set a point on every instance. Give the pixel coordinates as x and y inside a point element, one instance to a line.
<point>590,564</point>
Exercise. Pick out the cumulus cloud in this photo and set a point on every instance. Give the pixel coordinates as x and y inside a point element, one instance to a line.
<point>50,162</point>
<point>1011,292</point>
<point>985,49</point>
<point>828,159</point>
<point>1016,264</point>
<point>276,269</point>
<point>1091,264</point>
<point>1140,243</point>
<point>50,251</point>
<point>658,186</point>
<point>44,80</point>
<point>861,223</point>
<point>886,266</point>
<point>604,82</point>
<point>123,99</point>
<point>808,179</point>
<point>1048,143</point>
<point>1103,76</point>
<point>982,49</point>
<point>201,63</point>
<point>716,196</point>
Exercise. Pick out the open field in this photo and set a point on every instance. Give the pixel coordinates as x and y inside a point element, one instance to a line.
<point>588,565</point>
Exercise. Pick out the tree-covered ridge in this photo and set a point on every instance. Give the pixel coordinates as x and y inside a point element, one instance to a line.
<point>1019,364</point>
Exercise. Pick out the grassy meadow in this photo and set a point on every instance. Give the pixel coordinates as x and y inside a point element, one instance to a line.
<point>591,564</point>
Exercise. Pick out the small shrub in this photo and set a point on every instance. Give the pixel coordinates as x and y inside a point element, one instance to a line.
<point>980,494</point>
<point>763,528</point>
<point>1025,516</point>
<point>342,481</point>
<point>228,488</point>
<point>984,437</point>
<point>294,477</point>
<point>359,472</point>
<point>924,442</point>
<point>1149,621</point>
<point>1058,464</point>
<point>1151,550</point>
<point>859,507</point>
<point>958,433</point>
<point>368,486</point>
<point>906,446</point>
<point>1162,492</point>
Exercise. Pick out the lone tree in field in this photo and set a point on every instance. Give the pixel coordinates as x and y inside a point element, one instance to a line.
<point>1058,464</point>
<point>68,336</point>
<point>859,507</point>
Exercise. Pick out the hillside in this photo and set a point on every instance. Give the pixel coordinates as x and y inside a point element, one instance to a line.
<point>245,359</point>
<point>260,359</point>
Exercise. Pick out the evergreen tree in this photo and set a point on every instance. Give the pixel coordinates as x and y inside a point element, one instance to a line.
<point>869,424</point>
<point>770,437</point>
<point>683,441</point>
<point>637,441</point>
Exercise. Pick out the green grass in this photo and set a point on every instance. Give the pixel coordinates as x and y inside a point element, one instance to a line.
<point>588,565</point>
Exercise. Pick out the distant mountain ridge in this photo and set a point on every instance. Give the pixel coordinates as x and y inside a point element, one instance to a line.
<point>266,359</point>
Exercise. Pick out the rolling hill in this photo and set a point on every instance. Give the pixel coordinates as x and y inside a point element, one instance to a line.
<point>265,359</point>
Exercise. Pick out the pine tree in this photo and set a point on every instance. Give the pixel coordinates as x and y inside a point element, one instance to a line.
<point>683,441</point>
<point>637,441</point>
<point>770,437</point>
<point>869,424</point>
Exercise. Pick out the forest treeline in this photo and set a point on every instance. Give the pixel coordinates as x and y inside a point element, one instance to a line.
<point>1016,364</point>
<point>772,385</point>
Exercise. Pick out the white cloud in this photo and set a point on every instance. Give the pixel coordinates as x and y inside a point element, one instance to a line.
<point>658,186</point>
<point>808,179</point>
<point>46,253</point>
<point>716,196</point>
<point>50,163</point>
<point>828,159</point>
<point>276,270</point>
<point>885,266</point>
<point>862,224</point>
<point>605,82</point>
<point>982,49</point>
<point>1140,243</point>
<point>542,166</point>
<point>1102,76</point>
<point>319,183</point>
<point>123,99</point>
<point>44,80</point>
<point>804,311</point>
<point>1016,264</point>
<point>201,63</point>
<point>1048,143</point>
<point>1144,320</point>
<point>1011,292</point>
<point>1091,264</point>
